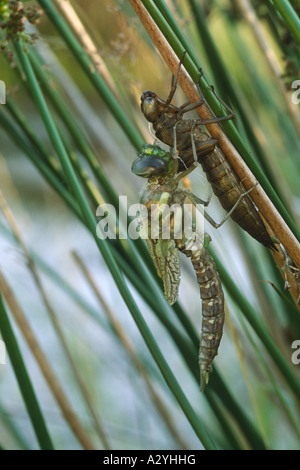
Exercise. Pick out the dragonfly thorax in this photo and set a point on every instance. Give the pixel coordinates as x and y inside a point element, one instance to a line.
<point>155,162</point>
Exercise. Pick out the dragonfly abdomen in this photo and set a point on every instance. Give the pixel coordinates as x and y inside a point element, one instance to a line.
<point>228,189</point>
<point>213,314</point>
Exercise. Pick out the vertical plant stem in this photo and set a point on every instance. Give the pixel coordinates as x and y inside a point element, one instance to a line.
<point>289,15</point>
<point>23,380</point>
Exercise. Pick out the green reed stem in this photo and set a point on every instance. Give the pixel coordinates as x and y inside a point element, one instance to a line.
<point>25,385</point>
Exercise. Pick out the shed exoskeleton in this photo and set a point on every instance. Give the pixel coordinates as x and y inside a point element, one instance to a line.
<point>190,141</point>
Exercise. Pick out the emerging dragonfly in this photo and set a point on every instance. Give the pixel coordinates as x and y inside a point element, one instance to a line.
<point>186,136</point>
<point>161,169</point>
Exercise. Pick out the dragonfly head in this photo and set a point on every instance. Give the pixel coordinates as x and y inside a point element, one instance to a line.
<point>150,106</point>
<point>153,161</point>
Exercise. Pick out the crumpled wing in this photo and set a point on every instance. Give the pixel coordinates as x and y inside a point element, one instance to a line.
<point>166,259</point>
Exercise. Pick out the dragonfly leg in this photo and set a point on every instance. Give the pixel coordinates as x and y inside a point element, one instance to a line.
<point>231,114</point>
<point>195,155</point>
<point>186,172</point>
<point>293,270</point>
<point>151,130</point>
<point>204,147</point>
<point>174,81</point>
<point>175,153</point>
<point>187,103</point>
<point>196,200</point>
<point>194,165</point>
<point>190,107</point>
<point>193,143</point>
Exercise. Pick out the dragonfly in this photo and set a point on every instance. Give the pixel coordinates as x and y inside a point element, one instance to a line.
<point>162,190</point>
<point>193,144</point>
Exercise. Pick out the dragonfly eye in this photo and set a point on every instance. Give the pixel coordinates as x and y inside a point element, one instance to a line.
<point>149,108</point>
<point>148,165</point>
